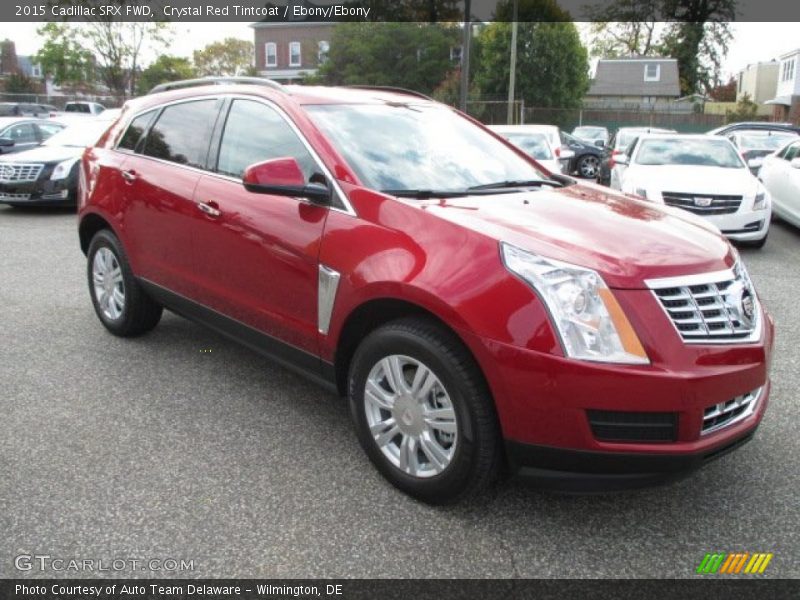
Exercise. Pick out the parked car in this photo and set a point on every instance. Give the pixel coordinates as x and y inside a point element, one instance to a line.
<point>534,143</point>
<point>476,315</point>
<point>554,136</point>
<point>702,174</point>
<point>592,134</point>
<point>751,125</point>
<point>25,109</point>
<point>48,174</point>
<point>87,108</point>
<point>20,134</point>
<point>780,174</point>
<point>586,158</point>
<point>618,145</point>
<point>756,144</point>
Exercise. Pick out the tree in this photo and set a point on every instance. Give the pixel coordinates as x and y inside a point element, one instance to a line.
<point>624,28</point>
<point>18,83</point>
<point>229,57</point>
<point>409,55</point>
<point>725,92</point>
<point>165,68</point>
<point>746,110</point>
<point>62,57</point>
<point>700,48</point>
<point>552,64</point>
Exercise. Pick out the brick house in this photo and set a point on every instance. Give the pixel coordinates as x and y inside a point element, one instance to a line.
<point>786,104</point>
<point>287,51</point>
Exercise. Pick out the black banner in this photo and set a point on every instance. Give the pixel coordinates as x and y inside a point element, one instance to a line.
<point>300,11</point>
<point>388,589</point>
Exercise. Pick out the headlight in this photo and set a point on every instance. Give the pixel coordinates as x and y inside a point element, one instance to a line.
<point>63,168</point>
<point>760,203</point>
<point>641,192</point>
<point>587,317</point>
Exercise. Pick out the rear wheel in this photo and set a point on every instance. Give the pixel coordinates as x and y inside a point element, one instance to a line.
<point>422,411</point>
<point>119,301</point>
<point>588,166</point>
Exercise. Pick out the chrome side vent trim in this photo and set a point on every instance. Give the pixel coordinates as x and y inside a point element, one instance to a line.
<point>326,295</point>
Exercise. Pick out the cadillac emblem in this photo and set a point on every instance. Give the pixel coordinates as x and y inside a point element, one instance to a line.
<point>703,202</point>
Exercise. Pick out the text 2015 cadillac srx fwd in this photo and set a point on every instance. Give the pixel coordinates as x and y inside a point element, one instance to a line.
<point>481,314</point>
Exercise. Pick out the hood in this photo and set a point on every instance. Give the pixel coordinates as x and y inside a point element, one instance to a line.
<point>44,154</point>
<point>626,240</point>
<point>689,179</point>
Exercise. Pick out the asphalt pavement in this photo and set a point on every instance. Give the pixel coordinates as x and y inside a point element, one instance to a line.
<point>183,445</point>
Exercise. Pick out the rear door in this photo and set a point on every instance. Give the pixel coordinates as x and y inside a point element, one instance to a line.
<point>161,174</point>
<point>256,255</point>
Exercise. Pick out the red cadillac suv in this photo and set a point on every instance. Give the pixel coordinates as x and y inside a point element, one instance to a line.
<point>481,314</point>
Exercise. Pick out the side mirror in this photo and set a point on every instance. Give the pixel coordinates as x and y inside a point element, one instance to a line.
<point>795,163</point>
<point>622,159</point>
<point>283,177</point>
<point>600,143</point>
<point>6,142</point>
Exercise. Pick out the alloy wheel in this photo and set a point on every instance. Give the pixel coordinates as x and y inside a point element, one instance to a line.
<point>109,288</point>
<point>589,167</point>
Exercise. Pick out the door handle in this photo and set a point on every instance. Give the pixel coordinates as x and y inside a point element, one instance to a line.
<point>129,176</point>
<point>209,209</point>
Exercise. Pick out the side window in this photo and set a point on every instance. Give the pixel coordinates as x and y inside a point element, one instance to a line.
<point>793,152</point>
<point>21,133</point>
<point>181,134</point>
<point>133,138</point>
<point>48,129</point>
<point>254,133</point>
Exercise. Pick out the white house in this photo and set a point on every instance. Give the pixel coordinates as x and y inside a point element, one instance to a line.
<point>787,95</point>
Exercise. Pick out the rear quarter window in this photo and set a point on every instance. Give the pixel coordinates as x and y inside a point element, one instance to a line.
<point>181,133</point>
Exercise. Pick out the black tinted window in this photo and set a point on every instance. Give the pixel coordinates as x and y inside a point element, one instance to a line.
<point>133,135</point>
<point>254,133</point>
<point>181,133</point>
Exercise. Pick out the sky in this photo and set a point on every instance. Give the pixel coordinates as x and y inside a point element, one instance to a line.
<point>753,42</point>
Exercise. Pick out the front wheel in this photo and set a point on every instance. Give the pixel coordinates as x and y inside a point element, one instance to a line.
<point>422,411</point>
<point>588,166</point>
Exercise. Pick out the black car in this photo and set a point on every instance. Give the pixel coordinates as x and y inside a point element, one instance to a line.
<point>753,126</point>
<point>48,174</point>
<point>586,162</point>
<point>18,134</point>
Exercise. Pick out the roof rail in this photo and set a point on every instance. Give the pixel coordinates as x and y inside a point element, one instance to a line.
<point>389,88</point>
<point>185,83</point>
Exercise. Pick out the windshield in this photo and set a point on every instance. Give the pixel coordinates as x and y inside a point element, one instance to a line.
<point>756,141</point>
<point>418,147</point>
<point>685,151</point>
<point>534,144</point>
<point>80,135</point>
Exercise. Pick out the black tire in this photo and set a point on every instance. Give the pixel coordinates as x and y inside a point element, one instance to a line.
<point>477,456</point>
<point>588,163</point>
<point>139,313</point>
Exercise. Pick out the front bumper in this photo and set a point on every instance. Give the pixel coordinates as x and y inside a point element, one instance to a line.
<point>43,191</point>
<point>546,404</point>
<point>743,226</point>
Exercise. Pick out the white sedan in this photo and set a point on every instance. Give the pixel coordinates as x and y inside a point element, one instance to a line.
<point>704,175</point>
<point>780,173</point>
<point>536,142</point>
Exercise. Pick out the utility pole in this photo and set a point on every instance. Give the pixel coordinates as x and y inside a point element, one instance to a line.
<point>465,44</point>
<point>513,72</point>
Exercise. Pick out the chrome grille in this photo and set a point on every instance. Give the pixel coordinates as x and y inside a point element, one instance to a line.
<point>19,172</point>
<point>725,414</point>
<point>8,196</point>
<point>703,204</point>
<point>711,308</point>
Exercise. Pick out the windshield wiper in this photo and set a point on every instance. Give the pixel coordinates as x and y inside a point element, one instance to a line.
<point>425,194</point>
<point>513,183</point>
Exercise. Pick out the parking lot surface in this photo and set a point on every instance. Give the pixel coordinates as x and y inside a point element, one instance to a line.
<point>181,444</point>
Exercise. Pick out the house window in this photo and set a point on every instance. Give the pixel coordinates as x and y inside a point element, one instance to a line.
<point>271,53</point>
<point>36,71</point>
<point>323,48</point>
<point>788,70</point>
<point>295,58</point>
<point>652,72</point>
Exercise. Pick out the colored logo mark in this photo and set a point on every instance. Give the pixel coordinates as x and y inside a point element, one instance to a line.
<point>734,563</point>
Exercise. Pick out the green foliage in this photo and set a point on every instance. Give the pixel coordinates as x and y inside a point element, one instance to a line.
<point>552,64</point>
<point>746,110</point>
<point>409,55</point>
<point>725,92</point>
<point>164,69</point>
<point>531,10</point>
<point>229,57</point>
<point>17,83</point>
<point>62,57</point>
